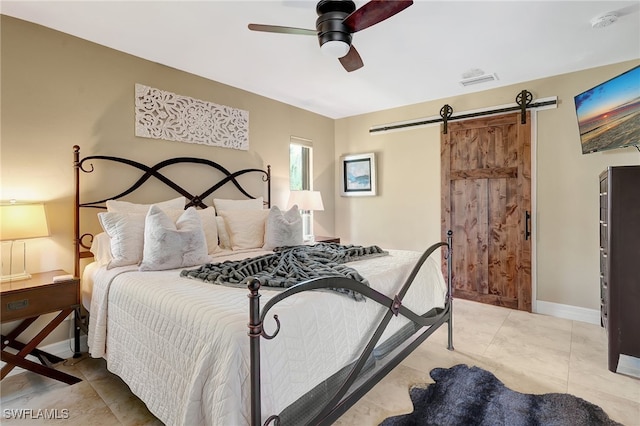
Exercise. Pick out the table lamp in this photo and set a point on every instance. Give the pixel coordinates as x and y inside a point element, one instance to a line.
<point>20,222</point>
<point>307,201</point>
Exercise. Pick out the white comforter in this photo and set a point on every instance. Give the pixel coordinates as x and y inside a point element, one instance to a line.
<point>182,346</point>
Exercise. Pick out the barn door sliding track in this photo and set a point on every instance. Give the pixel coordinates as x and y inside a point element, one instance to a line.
<point>524,101</point>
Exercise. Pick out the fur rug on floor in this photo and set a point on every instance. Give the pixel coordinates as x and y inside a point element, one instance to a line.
<point>463,395</point>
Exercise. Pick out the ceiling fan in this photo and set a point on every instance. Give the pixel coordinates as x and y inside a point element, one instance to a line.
<point>337,21</point>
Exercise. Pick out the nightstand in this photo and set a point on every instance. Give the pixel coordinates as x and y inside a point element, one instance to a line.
<point>27,300</point>
<point>319,239</point>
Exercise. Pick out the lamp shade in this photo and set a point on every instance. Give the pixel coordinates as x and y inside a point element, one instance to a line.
<point>306,200</point>
<point>22,221</point>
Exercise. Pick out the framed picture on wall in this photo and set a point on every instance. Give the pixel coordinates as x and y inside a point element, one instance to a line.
<point>358,175</point>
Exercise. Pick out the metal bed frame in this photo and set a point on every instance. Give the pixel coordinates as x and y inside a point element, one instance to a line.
<point>359,380</point>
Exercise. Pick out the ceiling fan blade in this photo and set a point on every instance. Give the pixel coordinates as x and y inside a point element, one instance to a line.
<point>373,12</point>
<point>282,30</point>
<point>352,60</point>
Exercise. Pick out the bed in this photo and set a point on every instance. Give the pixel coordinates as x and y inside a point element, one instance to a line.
<point>243,351</point>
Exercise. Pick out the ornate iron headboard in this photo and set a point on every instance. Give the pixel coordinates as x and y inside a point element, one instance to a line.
<point>196,200</point>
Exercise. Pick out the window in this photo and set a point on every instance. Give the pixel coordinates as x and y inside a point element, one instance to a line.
<point>299,164</point>
<point>300,175</point>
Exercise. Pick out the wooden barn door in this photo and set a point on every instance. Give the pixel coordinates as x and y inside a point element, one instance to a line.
<point>486,202</point>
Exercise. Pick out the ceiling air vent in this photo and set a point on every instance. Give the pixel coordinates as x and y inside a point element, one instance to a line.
<point>484,78</point>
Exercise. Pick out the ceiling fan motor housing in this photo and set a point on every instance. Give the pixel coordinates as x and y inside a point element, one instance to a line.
<point>330,26</point>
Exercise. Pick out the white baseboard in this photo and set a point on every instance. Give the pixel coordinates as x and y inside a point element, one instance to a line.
<point>61,349</point>
<point>626,365</point>
<point>629,365</point>
<point>576,313</point>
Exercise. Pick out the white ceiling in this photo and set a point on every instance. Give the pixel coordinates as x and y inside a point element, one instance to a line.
<point>418,55</point>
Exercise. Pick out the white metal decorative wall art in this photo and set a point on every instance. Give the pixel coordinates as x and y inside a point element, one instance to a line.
<point>165,115</point>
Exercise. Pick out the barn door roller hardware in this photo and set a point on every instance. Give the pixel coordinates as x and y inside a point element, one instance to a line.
<point>524,101</point>
<point>445,112</point>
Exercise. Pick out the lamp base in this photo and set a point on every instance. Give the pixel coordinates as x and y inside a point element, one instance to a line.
<point>15,277</point>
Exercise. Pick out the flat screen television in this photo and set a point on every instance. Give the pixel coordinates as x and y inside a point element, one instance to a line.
<point>609,113</point>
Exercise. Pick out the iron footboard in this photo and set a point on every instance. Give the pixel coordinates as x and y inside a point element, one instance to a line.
<point>341,400</point>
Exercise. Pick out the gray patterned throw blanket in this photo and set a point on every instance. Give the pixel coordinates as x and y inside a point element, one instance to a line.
<point>287,266</point>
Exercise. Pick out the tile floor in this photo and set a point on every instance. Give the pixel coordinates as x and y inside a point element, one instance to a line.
<point>529,353</point>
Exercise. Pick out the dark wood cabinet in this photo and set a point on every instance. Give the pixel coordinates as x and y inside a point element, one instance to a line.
<point>620,260</point>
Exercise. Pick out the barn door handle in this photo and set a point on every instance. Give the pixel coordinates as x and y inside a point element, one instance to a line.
<point>527,219</point>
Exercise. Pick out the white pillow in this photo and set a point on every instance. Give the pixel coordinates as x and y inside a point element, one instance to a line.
<point>169,245</point>
<point>209,225</point>
<point>101,248</point>
<point>252,204</point>
<point>118,206</point>
<point>126,233</point>
<point>210,228</point>
<point>245,227</point>
<point>223,236</point>
<point>283,228</point>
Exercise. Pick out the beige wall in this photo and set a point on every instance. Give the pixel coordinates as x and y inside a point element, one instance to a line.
<point>406,214</point>
<point>58,91</point>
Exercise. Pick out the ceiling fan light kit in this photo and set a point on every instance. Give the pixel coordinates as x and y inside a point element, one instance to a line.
<point>337,21</point>
<point>335,48</point>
